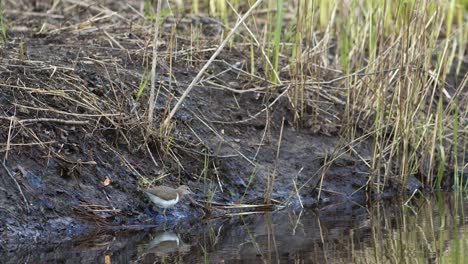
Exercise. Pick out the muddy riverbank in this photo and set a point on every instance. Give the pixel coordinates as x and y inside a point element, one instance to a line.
<point>77,148</point>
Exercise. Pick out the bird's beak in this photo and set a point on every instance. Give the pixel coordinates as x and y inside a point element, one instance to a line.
<point>189,196</point>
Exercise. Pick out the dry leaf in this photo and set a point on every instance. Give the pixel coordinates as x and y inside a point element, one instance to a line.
<point>106,181</point>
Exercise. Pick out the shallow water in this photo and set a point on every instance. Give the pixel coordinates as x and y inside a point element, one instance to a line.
<point>425,230</point>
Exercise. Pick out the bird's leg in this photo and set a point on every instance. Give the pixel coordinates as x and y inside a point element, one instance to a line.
<point>164,212</point>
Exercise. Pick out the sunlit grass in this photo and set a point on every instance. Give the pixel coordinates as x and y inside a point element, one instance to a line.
<point>277,39</point>
<point>391,58</point>
<point>3,26</point>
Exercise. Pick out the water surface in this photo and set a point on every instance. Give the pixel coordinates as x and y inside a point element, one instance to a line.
<point>425,230</point>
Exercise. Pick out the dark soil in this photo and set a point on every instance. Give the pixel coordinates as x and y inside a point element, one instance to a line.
<point>73,134</point>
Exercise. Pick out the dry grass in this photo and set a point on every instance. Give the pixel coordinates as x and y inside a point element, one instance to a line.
<point>394,74</point>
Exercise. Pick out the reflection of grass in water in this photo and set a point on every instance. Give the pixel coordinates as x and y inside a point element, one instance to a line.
<point>210,243</point>
<point>252,239</point>
<point>432,233</point>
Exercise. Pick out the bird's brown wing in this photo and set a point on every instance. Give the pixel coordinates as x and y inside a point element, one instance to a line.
<point>163,192</point>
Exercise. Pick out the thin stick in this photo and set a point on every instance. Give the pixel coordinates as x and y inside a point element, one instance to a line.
<point>275,166</point>
<point>151,101</point>
<point>17,185</point>
<point>45,120</point>
<point>10,128</point>
<point>207,64</point>
<point>297,193</point>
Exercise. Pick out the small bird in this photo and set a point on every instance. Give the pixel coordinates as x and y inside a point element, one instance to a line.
<point>165,197</point>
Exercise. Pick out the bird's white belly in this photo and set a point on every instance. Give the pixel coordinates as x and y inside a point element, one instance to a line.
<point>163,203</point>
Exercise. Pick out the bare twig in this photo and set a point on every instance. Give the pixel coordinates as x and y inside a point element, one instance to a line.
<point>17,185</point>
<point>45,120</point>
<point>207,64</point>
<point>151,101</point>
